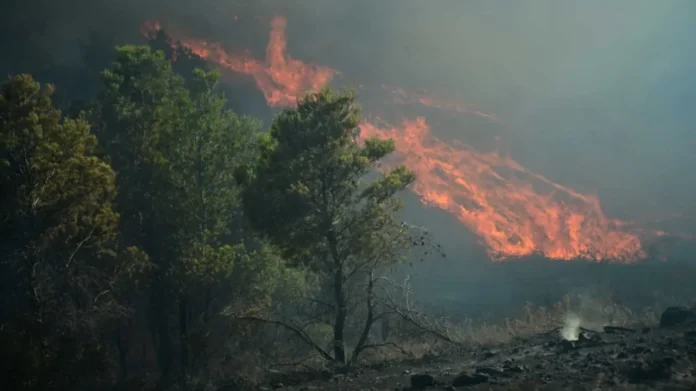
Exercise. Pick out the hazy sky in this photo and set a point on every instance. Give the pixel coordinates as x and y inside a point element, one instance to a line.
<point>596,94</point>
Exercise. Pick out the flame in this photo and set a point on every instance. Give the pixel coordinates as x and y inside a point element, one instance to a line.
<point>150,28</point>
<point>514,211</point>
<point>281,78</point>
<point>407,97</point>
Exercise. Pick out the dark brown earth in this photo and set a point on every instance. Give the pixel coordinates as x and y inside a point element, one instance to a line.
<point>612,358</point>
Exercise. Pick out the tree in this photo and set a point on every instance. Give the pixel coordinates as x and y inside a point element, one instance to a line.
<point>141,112</point>
<point>61,269</point>
<point>309,195</point>
<point>176,150</point>
<point>184,61</point>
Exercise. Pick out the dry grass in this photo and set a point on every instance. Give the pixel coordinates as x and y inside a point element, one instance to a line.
<point>593,312</point>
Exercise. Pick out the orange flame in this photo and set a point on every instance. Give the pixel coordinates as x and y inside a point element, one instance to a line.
<point>150,28</point>
<point>406,97</point>
<point>515,212</point>
<point>281,78</point>
<point>495,197</point>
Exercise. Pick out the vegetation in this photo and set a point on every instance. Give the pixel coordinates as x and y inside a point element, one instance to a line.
<point>156,228</point>
<point>307,195</point>
<point>62,268</point>
<point>149,233</point>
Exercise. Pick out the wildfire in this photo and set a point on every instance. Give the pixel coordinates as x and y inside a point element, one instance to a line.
<point>515,212</point>
<point>281,78</point>
<point>407,97</point>
<point>503,203</point>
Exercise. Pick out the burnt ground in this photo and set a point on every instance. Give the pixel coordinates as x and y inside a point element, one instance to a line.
<point>641,358</point>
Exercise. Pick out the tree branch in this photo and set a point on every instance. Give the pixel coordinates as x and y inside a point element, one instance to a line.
<point>409,315</point>
<point>298,332</point>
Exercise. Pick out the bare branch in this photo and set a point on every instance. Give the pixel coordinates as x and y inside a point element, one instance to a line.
<point>407,313</point>
<point>297,331</point>
<point>79,246</point>
<point>387,344</point>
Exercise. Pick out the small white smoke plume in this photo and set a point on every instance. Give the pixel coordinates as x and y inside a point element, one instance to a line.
<point>571,327</point>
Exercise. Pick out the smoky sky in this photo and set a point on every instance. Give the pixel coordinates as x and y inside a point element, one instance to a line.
<point>595,94</point>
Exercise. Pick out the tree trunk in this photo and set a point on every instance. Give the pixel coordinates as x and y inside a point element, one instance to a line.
<point>159,312</point>
<point>165,349</point>
<point>183,334</point>
<point>122,353</point>
<point>340,322</point>
<point>386,328</point>
<point>369,321</point>
<point>340,299</point>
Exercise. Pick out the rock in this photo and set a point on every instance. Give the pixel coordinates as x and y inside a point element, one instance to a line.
<point>488,371</point>
<point>586,337</point>
<point>674,316</point>
<point>422,381</point>
<point>516,369</point>
<point>638,349</point>
<point>488,354</point>
<point>691,334</point>
<point>567,345</point>
<point>651,371</point>
<point>618,330</point>
<point>469,380</point>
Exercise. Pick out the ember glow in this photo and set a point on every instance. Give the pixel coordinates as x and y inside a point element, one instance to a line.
<point>513,211</point>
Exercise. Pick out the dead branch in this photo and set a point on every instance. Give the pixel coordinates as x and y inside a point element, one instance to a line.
<point>297,331</point>
<point>387,344</point>
<point>295,363</point>
<point>413,317</point>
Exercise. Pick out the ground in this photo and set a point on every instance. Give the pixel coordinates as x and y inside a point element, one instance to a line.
<point>610,358</point>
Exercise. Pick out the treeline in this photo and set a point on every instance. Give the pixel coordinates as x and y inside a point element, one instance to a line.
<point>155,234</point>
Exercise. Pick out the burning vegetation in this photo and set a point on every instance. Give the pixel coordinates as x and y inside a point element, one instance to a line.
<point>153,239</point>
<point>515,212</point>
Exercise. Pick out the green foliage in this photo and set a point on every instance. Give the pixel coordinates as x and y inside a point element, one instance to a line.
<point>59,231</point>
<point>178,152</point>
<point>309,196</point>
<point>137,226</point>
<point>309,182</point>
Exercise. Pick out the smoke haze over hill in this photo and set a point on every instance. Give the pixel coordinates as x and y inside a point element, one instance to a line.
<point>594,97</point>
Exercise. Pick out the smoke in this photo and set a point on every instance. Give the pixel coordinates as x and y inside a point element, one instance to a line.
<point>571,327</point>
<point>592,95</point>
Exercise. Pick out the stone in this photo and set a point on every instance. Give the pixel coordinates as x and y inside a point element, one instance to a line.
<point>674,316</point>
<point>469,380</point>
<point>422,381</point>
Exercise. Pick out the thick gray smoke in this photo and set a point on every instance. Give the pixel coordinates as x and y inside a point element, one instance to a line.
<point>597,95</point>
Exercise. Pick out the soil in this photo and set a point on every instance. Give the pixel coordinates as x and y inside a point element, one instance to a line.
<point>612,358</point>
